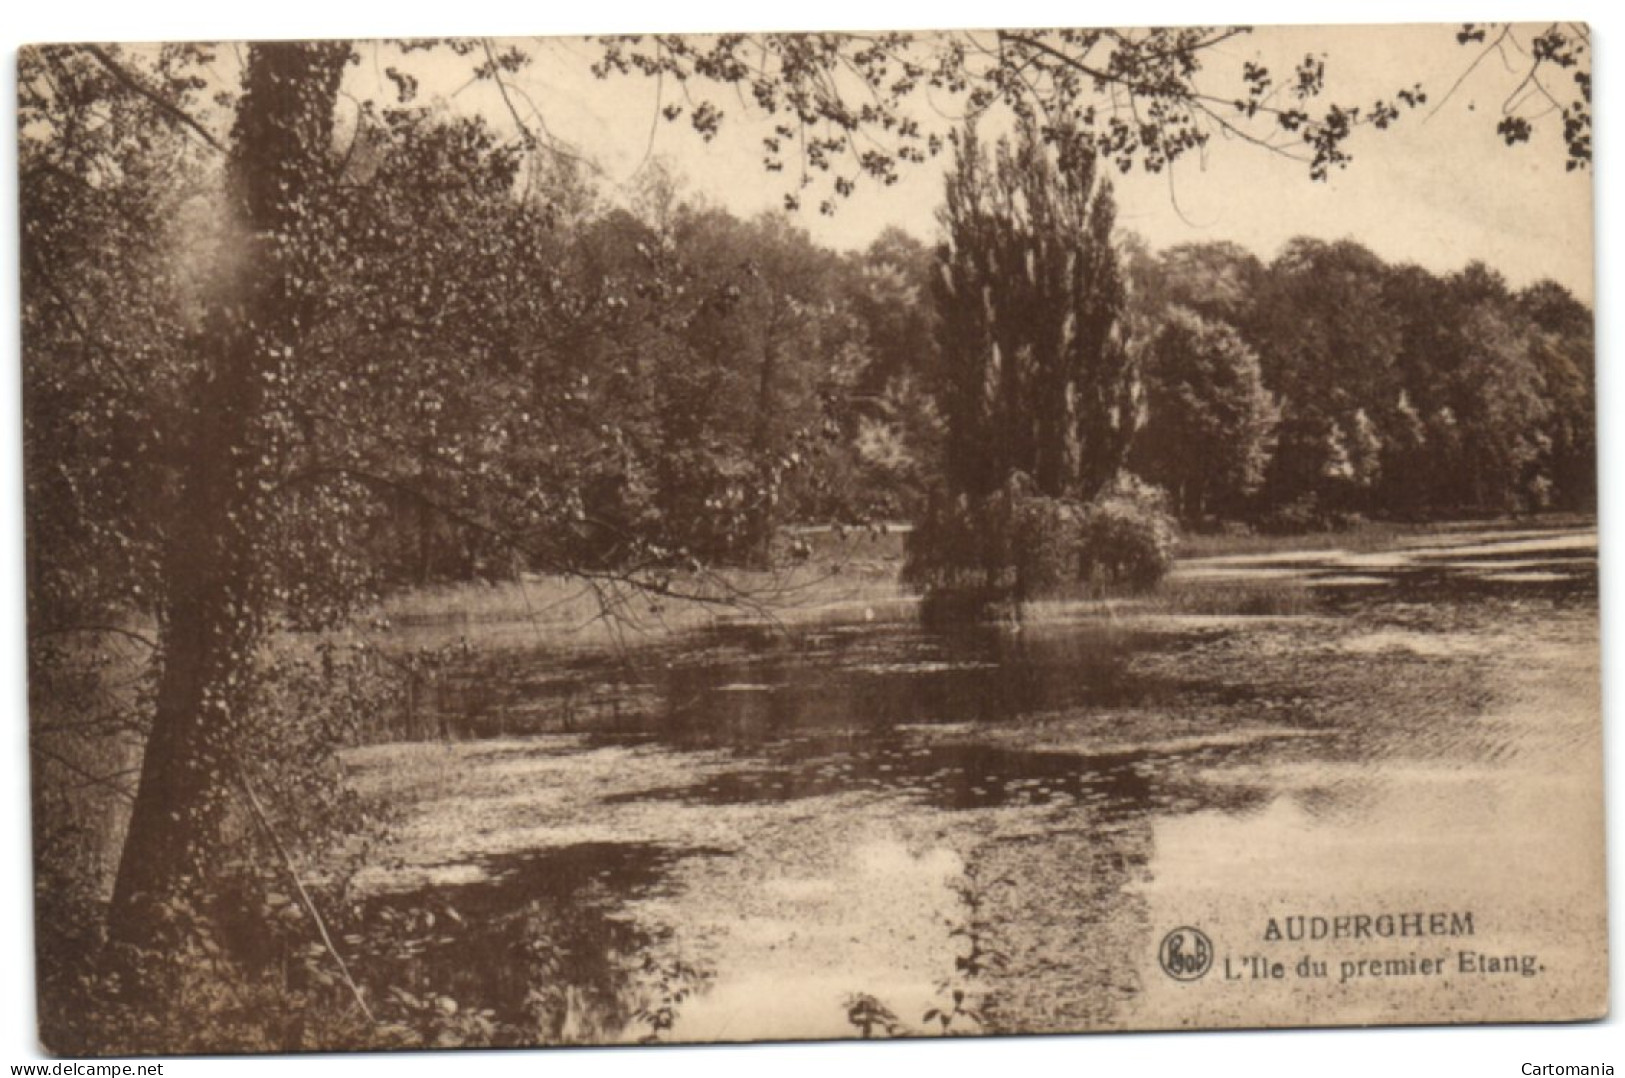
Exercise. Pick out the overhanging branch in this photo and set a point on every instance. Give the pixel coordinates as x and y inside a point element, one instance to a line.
<point>168,108</point>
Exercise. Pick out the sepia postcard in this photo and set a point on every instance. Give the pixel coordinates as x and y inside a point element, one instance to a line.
<point>805,536</point>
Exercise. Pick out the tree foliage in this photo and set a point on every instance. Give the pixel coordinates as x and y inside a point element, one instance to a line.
<point>1036,374</point>
<point>1210,426</point>
<point>1040,393</point>
<point>1553,72</point>
<point>841,105</point>
<point>1400,391</point>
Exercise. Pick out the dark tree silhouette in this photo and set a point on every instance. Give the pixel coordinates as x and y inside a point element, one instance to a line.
<point>1030,298</point>
<point>1210,426</point>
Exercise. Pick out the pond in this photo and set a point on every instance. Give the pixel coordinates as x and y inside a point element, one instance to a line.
<point>755,831</point>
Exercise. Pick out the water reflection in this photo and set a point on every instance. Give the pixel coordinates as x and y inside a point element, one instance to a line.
<point>741,686</point>
<point>809,808</point>
<point>543,943</point>
<point>957,776</point>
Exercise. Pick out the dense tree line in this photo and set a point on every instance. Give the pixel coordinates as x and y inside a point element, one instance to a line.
<point>1327,382</point>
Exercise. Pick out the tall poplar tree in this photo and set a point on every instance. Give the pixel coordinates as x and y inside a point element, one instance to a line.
<point>1037,378</point>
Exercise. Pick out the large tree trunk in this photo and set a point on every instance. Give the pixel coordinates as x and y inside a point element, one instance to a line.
<point>215,610</point>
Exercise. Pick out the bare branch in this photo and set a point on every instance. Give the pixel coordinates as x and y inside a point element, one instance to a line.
<point>112,630</point>
<point>292,871</point>
<point>106,782</point>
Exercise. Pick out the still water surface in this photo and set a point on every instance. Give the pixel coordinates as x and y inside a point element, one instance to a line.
<point>745,832</point>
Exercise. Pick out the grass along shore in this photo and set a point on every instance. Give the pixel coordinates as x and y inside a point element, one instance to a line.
<point>852,575</point>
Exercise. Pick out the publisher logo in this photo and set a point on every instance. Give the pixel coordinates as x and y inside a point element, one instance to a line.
<point>1186,954</point>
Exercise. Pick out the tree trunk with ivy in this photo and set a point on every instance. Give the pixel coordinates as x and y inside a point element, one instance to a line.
<point>216,610</point>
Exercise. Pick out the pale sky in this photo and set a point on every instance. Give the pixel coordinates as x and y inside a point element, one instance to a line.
<point>1438,190</point>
